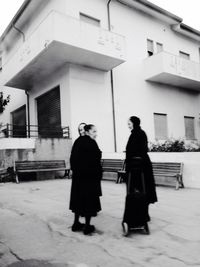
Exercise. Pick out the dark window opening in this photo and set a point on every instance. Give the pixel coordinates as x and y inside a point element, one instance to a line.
<point>19,122</point>
<point>49,114</point>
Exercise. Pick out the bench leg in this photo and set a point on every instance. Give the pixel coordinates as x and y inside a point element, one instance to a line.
<point>16,178</point>
<point>179,182</point>
<point>118,178</point>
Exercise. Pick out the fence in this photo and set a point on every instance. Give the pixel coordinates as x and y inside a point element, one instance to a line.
<point>34,131</point>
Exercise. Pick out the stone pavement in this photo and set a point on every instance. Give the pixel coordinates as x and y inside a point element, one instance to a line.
<point>35,229</point>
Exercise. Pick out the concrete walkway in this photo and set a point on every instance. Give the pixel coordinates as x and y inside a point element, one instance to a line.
<point>35,229</point>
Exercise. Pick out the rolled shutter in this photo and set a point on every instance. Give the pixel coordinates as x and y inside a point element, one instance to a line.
<point>19,122</point>
<point>49,114</point>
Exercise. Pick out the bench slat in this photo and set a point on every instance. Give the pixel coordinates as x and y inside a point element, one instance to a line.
<point>42,170</point>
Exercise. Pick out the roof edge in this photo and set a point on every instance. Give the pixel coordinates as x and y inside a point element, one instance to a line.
<point>154,8</point>
<point>15,18</point>
<point>187,31</point>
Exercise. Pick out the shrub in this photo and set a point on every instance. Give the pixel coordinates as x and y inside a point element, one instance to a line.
<point>174,145</point>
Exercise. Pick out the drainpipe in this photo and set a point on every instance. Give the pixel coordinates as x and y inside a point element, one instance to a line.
<point>28,113</point>
<point>112,84</point>
<point>21,32</point>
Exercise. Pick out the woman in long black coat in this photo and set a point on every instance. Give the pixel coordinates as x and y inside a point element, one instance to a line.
<point>86,179</point>
<point>137,146</point>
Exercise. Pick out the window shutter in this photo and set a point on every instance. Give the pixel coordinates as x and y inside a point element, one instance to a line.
<point>159,47</point>
<point>189,128</point>
<point>184,55</point>
<point>19,122</point>
<point>90,20</point>
<point>160,123</point>
<point>49,114</point>
<point>149,45</point>
<point>0,63</point>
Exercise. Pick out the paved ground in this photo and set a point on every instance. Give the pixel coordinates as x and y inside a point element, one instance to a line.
<point>35,229</point>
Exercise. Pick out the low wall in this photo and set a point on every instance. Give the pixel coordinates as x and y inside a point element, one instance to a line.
<point>17,143</point>
<point>34,149</point>
<point>191,161</point>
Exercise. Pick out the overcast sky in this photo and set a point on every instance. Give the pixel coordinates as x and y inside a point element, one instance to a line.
<point>187,9</point>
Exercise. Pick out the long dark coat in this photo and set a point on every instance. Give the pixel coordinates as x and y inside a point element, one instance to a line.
<point>137,146</point>
<point>86,169</point>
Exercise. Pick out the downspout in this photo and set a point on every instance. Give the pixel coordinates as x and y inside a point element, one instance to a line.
<point>112,84</point>
<point>28,113</point>
<point>21,32</point>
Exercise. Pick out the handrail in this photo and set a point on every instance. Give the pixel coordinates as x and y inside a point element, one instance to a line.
<point>37,131</point>
<point>171,54</point>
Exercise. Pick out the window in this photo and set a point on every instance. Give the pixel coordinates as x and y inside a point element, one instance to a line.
<point>0,63</point>
<point>19,122</point>
<point>189,128</point>
<point>159,47</point>
<point>49,114</point>
<point>90,19</point>
<point>184,55</point>
<point>150,49</point>
<point>160,124</point>
<point>199,54</point>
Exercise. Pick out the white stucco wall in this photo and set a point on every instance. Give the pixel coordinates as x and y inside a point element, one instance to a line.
<point>86,93</point>
<point>34,149</point>
<point>17,143</point>
<point>135,96</point>
<point>90,97</point>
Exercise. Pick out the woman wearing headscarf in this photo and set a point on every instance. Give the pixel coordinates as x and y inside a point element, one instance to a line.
<point>137,146</point>
<point>86,179</point>
<point>77,224</point>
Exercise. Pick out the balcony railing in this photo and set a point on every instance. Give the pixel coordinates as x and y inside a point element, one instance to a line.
<point>61,39</point>
<point>33,131</point>
<point>173,70</point>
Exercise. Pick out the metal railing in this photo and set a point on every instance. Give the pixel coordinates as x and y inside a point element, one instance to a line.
<point>33,131</point>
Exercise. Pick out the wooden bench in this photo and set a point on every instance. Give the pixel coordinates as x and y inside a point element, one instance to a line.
<point>39,166</point>
<point>114,165</point>
<point>168,173</point>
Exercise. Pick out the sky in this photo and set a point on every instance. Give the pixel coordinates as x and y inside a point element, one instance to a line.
<point>186,9</point>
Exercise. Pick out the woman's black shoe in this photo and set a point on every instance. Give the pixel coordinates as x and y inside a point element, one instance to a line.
<point>89,229</point>
<point>77,227</point>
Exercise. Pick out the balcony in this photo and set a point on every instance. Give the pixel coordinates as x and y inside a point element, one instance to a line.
<point>58,40</point>
<point>34,131</point>
<point>166,68</point>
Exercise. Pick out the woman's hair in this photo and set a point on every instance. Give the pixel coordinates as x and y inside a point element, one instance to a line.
<point>135,120</point>
<point>82,123</point>
<point>88,127</point>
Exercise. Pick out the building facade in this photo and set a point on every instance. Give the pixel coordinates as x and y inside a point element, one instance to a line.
<point>96,61</point>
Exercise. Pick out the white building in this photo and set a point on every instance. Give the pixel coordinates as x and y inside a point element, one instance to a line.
<point>105,61</point>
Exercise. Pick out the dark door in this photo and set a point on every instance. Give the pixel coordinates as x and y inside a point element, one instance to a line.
<point>49,114</point>
<point>19,122</point>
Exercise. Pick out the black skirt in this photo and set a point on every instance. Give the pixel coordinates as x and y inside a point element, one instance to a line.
<point>85,196</point>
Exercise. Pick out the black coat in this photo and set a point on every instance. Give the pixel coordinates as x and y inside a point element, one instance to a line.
<point>86,169</point>
<point>137,146</point>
